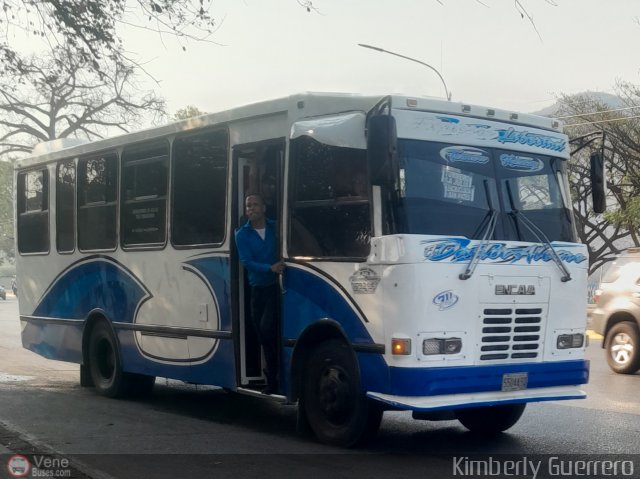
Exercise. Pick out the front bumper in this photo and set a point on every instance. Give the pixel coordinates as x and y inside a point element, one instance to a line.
<point>458,401</point>
<point>472,380</point>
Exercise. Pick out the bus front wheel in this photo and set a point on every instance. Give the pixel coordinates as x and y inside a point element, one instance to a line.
<point>336,409</point>
<point>490,419</point>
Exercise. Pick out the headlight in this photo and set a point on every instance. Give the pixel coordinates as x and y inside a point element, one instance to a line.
<point>433,346</point>
<point>567,341</point>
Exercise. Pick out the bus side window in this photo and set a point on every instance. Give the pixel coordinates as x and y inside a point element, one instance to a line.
<point>199,188</point>
<point>33,211</point>
<point>143,206</point>
<point>330,214</point>
<point>65,206</point>
<point>97,202</point>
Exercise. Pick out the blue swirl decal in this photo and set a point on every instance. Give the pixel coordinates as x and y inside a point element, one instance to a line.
<point>216,271</point>
<point>464,154</point>
<point>521,163</point>
<point>94,282</point>
<point>458,250</point>
<point>531,139</point>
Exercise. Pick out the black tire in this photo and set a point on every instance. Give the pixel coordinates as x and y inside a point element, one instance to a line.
<point>490,420</point>
<point>335,407</point>
<point>623,348</point>
<point>105,367</point>
<point>104,362</point>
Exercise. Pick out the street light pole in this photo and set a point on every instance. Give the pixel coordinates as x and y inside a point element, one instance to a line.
<point>378,49</point>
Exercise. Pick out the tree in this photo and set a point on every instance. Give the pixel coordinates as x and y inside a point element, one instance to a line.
<point>89,27</point>
<point>60,96</point>
<point>188,111</point>
<point>608,234</point>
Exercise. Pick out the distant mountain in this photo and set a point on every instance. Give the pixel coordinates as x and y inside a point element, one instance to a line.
<point>613,101</point>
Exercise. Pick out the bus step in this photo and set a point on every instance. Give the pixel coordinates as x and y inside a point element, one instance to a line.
<point>252,392</point>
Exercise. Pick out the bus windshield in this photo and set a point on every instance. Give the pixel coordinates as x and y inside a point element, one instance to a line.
<point>451,190</point>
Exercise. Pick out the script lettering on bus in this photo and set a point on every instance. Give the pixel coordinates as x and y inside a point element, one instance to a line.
<point>450,127</point>
<point>531,139</point>
<point>457,250</point>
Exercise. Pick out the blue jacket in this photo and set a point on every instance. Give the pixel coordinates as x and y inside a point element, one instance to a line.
<point>257,255</point>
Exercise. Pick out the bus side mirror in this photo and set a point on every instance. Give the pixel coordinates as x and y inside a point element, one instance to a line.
<point>598,182</point>
<point>382,150</point>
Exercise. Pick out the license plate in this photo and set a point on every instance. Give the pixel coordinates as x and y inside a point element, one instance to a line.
<point>514,381</point>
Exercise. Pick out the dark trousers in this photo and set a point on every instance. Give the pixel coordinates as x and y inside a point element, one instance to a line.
<point>264,317</point>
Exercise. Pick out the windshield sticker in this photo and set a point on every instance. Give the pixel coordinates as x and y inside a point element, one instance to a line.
<point>531,139</point>
<point>445,300</point>
<point>464,154</point>
<point>364,281</point>
<point>458,250</point>
<point>457,185</point>
<point>521,163</point>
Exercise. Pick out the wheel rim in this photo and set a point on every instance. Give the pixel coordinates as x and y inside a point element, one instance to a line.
<point>105,359</point>
<point>335,397</point>
<point>621,348</point>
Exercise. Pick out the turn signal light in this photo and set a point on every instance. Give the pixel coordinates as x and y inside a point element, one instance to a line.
<point>401,346</point>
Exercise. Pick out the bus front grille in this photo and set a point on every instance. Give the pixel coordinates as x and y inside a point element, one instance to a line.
<point>511,334</point>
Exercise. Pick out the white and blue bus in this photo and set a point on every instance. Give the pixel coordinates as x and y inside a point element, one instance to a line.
<point>431,252</point>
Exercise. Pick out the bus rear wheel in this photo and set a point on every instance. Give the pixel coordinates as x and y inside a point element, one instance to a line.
<point>337,411</point>
<point>490,419</point>
<point>105,367</point>
<point>104,362</point>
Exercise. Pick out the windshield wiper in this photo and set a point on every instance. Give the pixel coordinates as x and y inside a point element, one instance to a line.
<point>491,226</point>
<point>538,233</point>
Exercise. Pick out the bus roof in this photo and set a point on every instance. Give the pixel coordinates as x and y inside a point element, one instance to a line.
<point>297,106</point>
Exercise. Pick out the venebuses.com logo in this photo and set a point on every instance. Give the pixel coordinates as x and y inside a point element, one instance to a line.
<point>18,466</point>
<point>38,466</point>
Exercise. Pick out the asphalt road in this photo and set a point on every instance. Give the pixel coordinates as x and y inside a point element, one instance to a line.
<point>189,431</point>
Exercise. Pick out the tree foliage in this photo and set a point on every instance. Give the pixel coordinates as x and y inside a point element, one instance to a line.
<point>90,27</point>
<point>189,111</point>
<point>59,96</point>
<point>608,234</point>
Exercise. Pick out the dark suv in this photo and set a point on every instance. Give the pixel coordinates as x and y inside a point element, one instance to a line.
<point>617,313</point>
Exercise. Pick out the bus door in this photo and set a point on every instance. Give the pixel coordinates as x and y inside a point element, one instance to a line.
<point>257,168</point>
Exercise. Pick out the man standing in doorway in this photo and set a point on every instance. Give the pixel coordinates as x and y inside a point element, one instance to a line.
<point>258,252</point>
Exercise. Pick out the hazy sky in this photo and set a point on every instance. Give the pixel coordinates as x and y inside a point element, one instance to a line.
<point>485,51</point>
